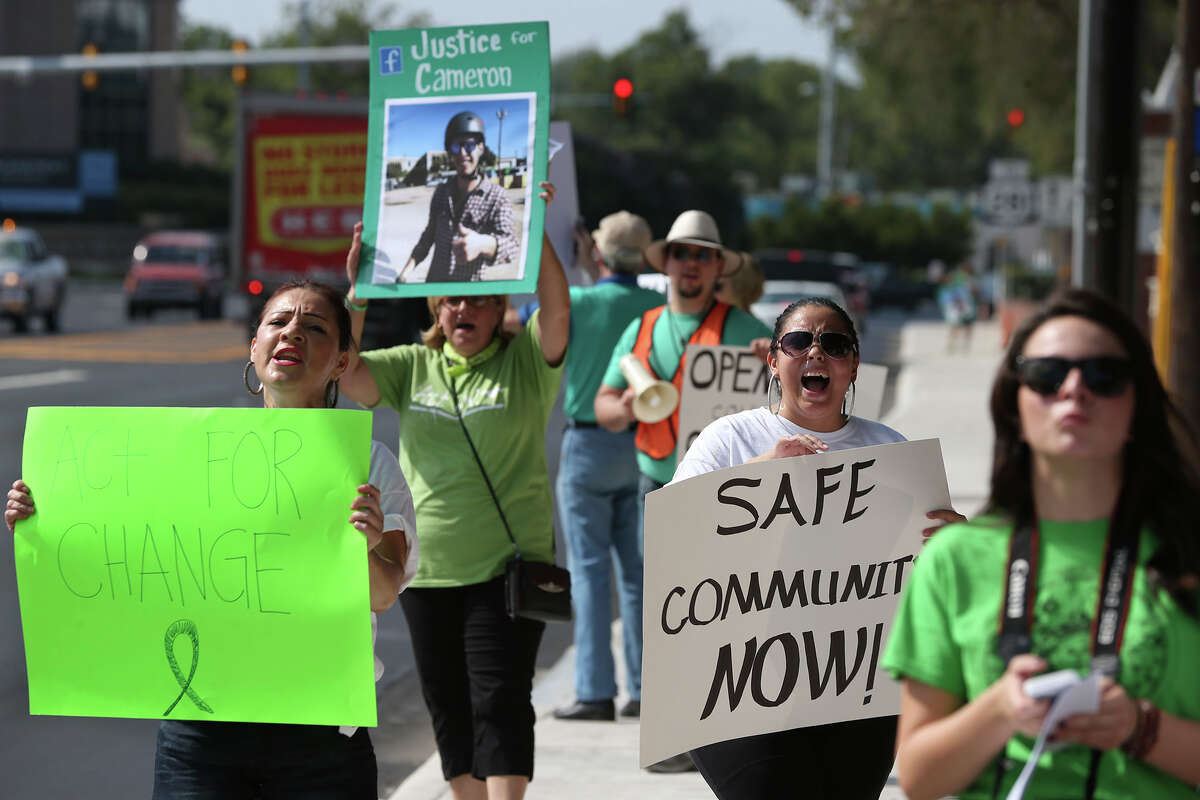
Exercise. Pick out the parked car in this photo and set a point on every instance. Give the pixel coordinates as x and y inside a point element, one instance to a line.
<point>33,283</point>
<point>778,295</point>
<point>819,265</point>
<point>891,287</point>
<point>176,269</point>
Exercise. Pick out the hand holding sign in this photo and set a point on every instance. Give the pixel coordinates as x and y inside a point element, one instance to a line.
<point>19,505</point>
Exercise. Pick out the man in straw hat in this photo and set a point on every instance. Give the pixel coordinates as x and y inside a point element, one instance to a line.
<point>693,259</point>
<point>597,485</point>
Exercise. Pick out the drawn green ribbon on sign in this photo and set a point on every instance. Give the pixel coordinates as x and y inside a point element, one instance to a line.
<point>188,629</point>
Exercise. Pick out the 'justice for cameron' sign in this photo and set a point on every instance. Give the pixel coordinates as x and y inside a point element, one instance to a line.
<point>779,612</point>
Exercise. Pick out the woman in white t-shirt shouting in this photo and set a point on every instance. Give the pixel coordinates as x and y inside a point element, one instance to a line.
<point>813,362</point>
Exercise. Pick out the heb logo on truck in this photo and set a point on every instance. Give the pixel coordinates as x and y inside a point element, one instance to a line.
<point>391,60</point>
<point>315,222</point>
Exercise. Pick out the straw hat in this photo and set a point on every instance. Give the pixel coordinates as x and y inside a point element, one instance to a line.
<point>698,228</point>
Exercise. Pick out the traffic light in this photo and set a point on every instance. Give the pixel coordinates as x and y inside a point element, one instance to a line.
<point>1015,117</point>
<point>239,72</point>
<point>622,94</point>
<point>89,78</point>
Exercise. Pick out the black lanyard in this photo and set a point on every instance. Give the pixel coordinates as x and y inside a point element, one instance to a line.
<point>1108,623</point>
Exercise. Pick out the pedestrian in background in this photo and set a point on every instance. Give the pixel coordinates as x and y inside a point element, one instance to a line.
<point>693,259</point>
<point>300,349</point>
<point>814,362</point>
<point>597,485</point>
<point>744,287</point>
<point>1090,536</point>
<point>473,407</point>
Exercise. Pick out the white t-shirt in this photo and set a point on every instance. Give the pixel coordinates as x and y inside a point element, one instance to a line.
<point>395,500</point>
<point>734,439</point>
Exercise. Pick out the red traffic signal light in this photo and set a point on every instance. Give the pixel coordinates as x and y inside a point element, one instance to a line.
<point>622,91</point>
<point>1015,117</point>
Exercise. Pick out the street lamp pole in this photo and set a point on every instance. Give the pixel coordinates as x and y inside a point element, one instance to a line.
<point>500,115</point>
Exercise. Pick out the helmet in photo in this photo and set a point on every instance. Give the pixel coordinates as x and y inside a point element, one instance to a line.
<point>464,123</point>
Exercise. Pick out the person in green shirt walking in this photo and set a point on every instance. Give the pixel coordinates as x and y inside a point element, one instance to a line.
<point>1086,559</point>
<point>475,663</point>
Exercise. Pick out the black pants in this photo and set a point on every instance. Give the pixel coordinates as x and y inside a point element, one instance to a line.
<point>476,669</point>
<point>843,761</point>
<point>254,761</point>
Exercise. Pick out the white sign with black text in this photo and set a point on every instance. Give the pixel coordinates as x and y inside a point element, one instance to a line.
<point>720,380</point>
<point>770,590</point>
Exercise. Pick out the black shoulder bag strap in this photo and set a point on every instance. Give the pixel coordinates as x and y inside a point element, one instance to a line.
<point>1108,623</point>
<point>482,471</point>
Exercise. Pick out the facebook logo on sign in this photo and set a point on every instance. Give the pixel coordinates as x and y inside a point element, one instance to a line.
<point>391,60</point>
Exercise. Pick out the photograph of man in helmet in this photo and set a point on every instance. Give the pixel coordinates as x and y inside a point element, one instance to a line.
<point>470,228</point>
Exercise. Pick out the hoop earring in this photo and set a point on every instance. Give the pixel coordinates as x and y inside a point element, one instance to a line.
<point>847,408</point>
<point>331,394</point>
<point>774,387</point>
<point>246,380</point>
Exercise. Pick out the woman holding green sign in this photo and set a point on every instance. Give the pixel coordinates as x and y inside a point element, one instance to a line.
<point>300,349</point>
<point>473,408</point>
<point>813,361</point>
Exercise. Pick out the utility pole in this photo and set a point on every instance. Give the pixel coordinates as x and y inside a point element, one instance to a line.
<point>500,115</point>
<point>1107,149</point>
<point>828,113</point>
<point>1183,374</point>
<point>303,80</point>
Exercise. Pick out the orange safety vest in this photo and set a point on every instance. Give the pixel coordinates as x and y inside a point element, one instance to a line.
<point>658,440</point>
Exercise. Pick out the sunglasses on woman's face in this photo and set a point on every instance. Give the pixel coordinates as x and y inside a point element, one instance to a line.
<point>833,344</point>
<point>1104,376</point>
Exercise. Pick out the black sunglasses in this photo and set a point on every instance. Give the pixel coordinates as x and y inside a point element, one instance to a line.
<point>1104,376</point>
<point>701,255</point>
<point>833,344</point>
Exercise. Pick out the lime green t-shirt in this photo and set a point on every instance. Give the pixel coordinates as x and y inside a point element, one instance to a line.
<point>945,636</point>
<point>506,403</point>
<point>669,341</point>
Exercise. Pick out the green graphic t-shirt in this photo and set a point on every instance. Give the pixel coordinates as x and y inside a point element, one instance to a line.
<point>670,336</point>
<point>945,636</point>
<point>506,403</point>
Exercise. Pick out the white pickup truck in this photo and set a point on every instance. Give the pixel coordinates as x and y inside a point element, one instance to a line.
<point>33,282</point>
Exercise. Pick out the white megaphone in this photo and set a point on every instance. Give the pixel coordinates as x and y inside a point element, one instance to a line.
<point>653,400</point>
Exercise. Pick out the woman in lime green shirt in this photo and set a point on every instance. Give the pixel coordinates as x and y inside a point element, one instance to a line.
<point>1086,559</point>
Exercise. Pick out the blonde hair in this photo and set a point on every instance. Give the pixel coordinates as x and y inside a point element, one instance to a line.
<point>746,284</point>
<point>434,337</point>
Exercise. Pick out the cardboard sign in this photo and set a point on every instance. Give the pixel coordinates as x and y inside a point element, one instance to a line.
<point>722,380</point>
<point>456,146</point>
<point>778,614</point>
<point>189,563</point>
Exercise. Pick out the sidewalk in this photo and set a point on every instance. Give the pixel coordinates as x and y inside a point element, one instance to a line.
<point>937,395</point>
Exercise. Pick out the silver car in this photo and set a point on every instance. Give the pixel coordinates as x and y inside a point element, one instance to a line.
<point>33,283</point>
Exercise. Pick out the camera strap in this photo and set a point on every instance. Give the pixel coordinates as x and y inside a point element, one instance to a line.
<point>1108,622</point>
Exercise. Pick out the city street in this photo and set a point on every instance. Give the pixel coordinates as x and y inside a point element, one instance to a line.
<point>101,359</point>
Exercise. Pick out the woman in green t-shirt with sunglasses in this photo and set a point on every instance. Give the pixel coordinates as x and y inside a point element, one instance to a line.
<point>1086,559</point>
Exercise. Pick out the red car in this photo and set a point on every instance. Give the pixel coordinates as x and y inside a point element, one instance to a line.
<point>176,269</point>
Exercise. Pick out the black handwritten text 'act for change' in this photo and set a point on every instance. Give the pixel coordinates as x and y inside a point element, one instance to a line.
<point>177,561</point>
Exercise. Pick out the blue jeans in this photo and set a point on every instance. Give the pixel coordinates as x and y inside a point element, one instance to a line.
<point>256,761</point>
<point>597,490</point>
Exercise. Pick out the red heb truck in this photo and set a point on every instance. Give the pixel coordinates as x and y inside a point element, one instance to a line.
<point>297,193</point>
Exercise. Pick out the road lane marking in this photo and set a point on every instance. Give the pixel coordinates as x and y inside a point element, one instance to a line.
<point>42,379</point>
<point>183,343</point>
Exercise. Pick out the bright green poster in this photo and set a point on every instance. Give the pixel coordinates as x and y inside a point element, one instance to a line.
<point>457,144</point>
<point>196,563</point>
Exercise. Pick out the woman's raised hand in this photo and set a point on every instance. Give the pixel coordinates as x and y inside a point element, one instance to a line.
<point>367,516</point>
<point>352,257</point>
<point>798,444</point>
<point>19,505</point>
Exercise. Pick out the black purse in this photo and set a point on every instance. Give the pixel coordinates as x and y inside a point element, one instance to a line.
<point>532,589</point>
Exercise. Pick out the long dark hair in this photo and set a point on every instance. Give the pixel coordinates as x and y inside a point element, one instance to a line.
<point>1159,483</point>
<point>341,318</point>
